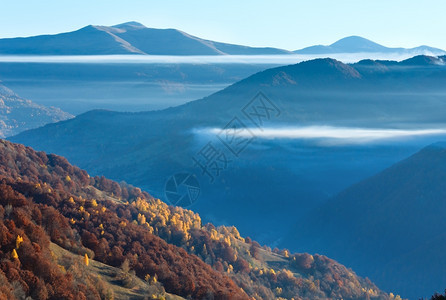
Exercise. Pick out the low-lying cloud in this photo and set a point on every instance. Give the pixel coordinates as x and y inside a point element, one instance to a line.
<point>284,59</point>
<point>330,135</point>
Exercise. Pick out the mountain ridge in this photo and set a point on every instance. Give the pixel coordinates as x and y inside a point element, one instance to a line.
<point>135,38</point>
<point>18,114</point>
<point>125,38</point>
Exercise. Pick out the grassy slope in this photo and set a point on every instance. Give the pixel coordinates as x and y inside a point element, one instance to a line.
<point>140,290</point>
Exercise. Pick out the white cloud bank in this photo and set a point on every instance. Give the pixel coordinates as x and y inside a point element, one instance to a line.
<point>329,134</point>
<point>284,59</point>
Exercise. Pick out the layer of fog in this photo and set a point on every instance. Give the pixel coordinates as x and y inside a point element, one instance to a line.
<point>212,59</point>
<point>324,135</point>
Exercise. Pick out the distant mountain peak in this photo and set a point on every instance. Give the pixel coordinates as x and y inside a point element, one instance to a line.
<point>325,65</point>
<point>354,38</point>
<point>355,41</point>
<point>130,25</point>
<point>423,60</point>
<point>358,44</point>
<point>325,61</point>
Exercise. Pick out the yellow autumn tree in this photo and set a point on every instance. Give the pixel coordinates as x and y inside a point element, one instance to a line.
<point>141,219</point>
<point>14,254</point>
<point>86,260</point>
<point>230,269</point>
<point>18,241</point>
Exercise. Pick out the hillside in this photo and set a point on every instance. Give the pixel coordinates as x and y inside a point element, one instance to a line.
<point>44,199</point>
<point>392,223</point>
<point>126,38</point>
<point>18,114</point>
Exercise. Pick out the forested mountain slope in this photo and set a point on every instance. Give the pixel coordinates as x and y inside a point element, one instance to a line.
<point>45,199</point>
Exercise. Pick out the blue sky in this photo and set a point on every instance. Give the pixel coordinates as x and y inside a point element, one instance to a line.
<point>284,24</point>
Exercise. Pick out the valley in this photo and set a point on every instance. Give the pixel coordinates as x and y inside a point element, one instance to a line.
<point>222,152</point>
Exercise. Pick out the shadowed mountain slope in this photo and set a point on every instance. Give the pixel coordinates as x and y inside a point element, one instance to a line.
<point>390,226</point>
